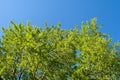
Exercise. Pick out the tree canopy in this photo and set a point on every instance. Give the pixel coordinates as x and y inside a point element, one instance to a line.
<point>29,52</point>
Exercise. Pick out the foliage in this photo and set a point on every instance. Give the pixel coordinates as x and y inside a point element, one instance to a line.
<point>98,59</point>
<point>31,53</point>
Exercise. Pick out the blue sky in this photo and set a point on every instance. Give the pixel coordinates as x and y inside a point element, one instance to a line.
<point>67,12</point>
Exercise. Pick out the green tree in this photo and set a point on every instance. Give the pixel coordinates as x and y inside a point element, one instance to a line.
<point>31,53</point>
<point>98,59</point>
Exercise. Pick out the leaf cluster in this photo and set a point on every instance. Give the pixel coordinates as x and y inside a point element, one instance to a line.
<point>31,53</point>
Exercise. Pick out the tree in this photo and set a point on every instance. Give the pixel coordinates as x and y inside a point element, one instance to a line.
<point>31,53</point>
<point>97,59</point>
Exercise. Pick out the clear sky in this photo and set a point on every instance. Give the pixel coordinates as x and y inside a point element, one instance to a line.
<point>67,12</point>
